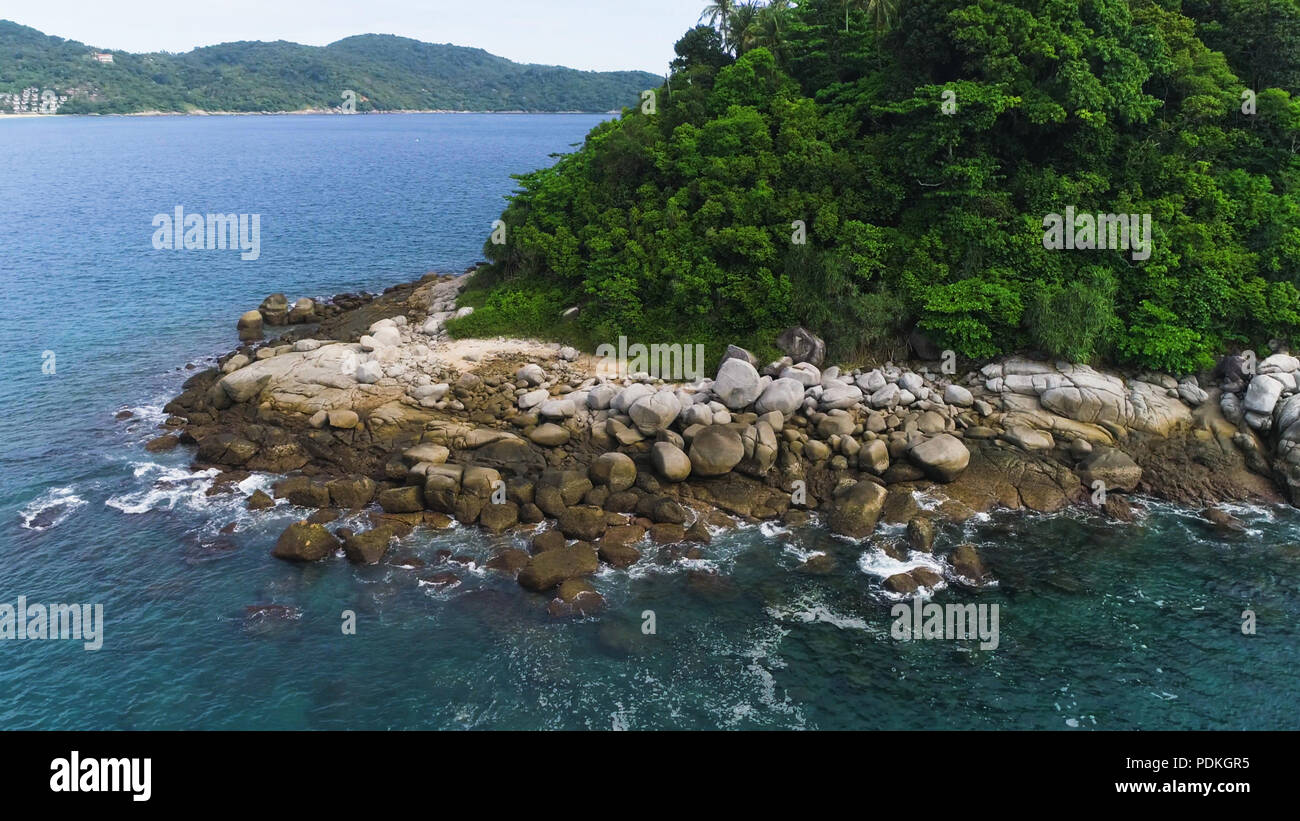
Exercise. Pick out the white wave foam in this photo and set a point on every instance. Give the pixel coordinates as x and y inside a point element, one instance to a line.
<point>809,610</point>
<point>168,486</point>
<point>51,509</point>
<point>882,565</point>
<point>773,529</point>
<point>800,554</point>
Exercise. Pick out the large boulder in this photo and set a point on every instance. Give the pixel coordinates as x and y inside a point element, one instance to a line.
<point>802,345</point>
<point>441,485</point>
<point>874,457</point>
<point>558,408</point>
<point>407,499</point>
<point>275,310</point>
<point>783,395</point>
<point>615,470</point>
<point>549,434</point>
<point>305,542</point>
<point>737,384</point>
<point>1263,393</point>
<point>368,547</point>
<point>957,395</point>
<point>499,518</point>
<point>547,570</point>
<point>737,352</point>
<point>655,412</point>
<point>855,509</point>
<point>716,450</point>
<point>966,562</point>
<point>1113,467</point>
<point>942,457</point>
<point>629,395</point>
<point>585,522</point>
<point>304,310</point>
<point>250,326</point>
<point>759,441</point>
<point>670,462</point>
<point>840,395</point>
<point>351,493</point>
<point>427,452</point>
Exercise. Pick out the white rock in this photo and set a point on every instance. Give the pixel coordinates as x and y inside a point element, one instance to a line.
<point>532,374</point>
<point>1191,393</point>
<point>698,414</point>
<point>871,381</point>
<point>599,397</point>
<point>434,392</point>
<point>655,412</point>
<point>840,395</point>
<point>957,395</point>
<point>784,395</point>
<point>533,398</point>
<point>1263,393</point>
<point>387,336</point>
<point>805,373</point>
<point>558,408</point>
<point>368,373</point>
<point>736,384</point>
<point>886,397</point>
<point>628,396</point>
<point>1279,363</point>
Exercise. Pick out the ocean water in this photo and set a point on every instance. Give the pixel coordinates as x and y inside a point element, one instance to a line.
<point>1102,626</point>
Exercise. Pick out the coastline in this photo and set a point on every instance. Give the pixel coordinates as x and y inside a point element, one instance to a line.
<point>365,403</point>
<point>300,112</point>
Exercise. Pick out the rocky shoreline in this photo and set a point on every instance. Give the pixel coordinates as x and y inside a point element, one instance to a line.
<point>366,403</point>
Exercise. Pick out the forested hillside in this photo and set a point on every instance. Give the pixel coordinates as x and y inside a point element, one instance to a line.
<point>924,144</point>
<point>385,72</point>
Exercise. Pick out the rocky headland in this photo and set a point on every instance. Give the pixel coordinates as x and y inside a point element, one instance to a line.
<point>366,403</point>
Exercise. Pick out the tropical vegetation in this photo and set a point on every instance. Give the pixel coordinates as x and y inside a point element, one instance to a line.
<point>917,147</point>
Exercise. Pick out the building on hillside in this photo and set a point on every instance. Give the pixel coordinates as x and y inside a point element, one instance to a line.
<point>103,58</point>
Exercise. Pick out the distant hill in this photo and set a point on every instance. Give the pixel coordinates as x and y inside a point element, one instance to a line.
<point>386,73</point>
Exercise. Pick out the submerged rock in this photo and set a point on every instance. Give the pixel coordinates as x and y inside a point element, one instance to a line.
<point>305,542</point>
<point>855,509</point>
<point>546,570</point>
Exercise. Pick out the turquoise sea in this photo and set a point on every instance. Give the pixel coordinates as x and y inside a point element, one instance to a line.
<point>1102,626</point>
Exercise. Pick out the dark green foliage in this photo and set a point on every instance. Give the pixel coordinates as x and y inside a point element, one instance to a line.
<point>386,72</point>
<point>677,224</point>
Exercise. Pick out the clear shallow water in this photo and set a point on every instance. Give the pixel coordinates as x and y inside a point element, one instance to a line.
<point>1102,626</point>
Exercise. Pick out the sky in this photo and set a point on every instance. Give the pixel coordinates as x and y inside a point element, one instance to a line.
<point>598,35</point>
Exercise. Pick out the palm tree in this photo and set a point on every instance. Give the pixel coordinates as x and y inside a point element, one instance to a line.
<point>743,17</point>
<point>717,14</point>
<point>883,12</point>
<point>769,30</point>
